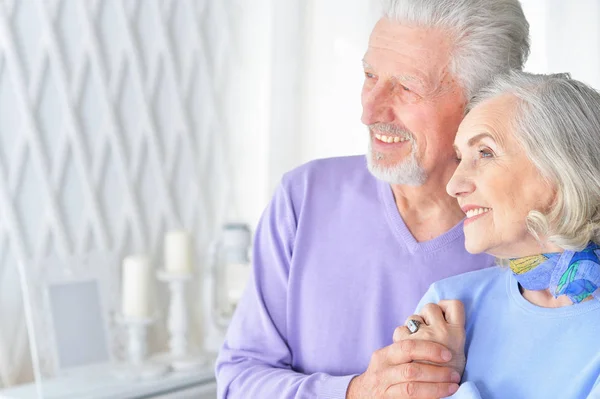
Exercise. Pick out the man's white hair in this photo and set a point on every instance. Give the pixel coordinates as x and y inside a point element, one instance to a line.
<point>489,36</point>
<point>557,122</point>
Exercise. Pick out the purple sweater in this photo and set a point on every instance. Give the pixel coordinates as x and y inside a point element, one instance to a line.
<point>335,272</point>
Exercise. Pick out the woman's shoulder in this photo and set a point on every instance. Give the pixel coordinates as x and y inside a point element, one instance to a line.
<point>471,284</point>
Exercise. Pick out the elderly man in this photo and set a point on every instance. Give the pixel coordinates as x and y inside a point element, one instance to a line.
<point>348,246</point>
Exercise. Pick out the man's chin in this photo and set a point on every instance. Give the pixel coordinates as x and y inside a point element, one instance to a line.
<point>381,164</point>
<point>382,171</point>
<point>403,173</point>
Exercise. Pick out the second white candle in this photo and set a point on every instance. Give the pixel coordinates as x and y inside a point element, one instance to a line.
<point>178,252</point>
<point>136,287</point>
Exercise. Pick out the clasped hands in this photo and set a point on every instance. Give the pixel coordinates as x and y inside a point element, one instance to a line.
<point>426,364</point>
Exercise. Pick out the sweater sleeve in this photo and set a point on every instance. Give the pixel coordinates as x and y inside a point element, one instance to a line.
<point>255,360</point>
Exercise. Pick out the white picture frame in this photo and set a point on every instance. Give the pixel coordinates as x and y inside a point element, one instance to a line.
<point>73,304</point>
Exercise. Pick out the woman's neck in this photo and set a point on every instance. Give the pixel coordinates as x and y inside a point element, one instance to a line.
<point>544,298</point>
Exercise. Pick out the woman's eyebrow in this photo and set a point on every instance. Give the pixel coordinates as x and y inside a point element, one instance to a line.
<point>478,137</point>
<point>473,140</point>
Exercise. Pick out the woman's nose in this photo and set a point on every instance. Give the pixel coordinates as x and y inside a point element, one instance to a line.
<point>460,184</point>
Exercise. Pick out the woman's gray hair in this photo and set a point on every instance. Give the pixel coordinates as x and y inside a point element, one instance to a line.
<point>490,36</point>
<point>557,122</point>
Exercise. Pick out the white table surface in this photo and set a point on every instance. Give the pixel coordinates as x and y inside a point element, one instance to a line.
<point>100,382</point>
<point>204,391</point>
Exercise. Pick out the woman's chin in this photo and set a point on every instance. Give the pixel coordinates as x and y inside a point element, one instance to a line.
<point>473,247</point>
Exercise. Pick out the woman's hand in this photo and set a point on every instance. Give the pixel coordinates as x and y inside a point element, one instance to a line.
<point>443,323</point>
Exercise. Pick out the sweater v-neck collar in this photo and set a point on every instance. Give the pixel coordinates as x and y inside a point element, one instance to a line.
<point>401,231</point>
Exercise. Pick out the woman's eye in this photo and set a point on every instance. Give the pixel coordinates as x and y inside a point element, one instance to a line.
<point>486,153</point>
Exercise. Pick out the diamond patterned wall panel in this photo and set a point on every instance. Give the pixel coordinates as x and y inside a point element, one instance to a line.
<point>110,133</point>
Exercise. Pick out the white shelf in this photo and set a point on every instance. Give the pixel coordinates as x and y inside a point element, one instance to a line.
<point>100,382</point>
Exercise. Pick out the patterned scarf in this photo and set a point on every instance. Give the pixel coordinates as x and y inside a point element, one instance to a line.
<point>575,274</point>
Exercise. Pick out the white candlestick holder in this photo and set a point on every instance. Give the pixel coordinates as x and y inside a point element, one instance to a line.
<point>137,365</point>
<point>137,345</point>
<point>180,357</point>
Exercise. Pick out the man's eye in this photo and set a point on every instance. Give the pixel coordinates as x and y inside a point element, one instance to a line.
<point>369,75</point>
<point>405,88</point>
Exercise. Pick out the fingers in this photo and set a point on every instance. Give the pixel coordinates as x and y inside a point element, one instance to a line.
<point>454,311</point>
<point>409,350</point>
<point>402,332</point>
<point>421,390</point>
<point>421,372</point>
<point>432,314</point>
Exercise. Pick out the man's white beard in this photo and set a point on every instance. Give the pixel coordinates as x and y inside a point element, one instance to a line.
<point>407,172</point>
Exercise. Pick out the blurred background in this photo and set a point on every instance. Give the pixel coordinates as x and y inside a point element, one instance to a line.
<point>123,119</point>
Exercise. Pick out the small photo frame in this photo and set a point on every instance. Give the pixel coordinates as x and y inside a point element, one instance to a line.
<point>73,303</point>
<point>78,321</point>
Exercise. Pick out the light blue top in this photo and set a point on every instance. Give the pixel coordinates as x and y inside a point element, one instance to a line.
<point>518,350</point>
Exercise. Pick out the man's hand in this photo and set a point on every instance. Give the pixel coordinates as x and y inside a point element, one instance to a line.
<point>393,372</point>
<point>443,323</point>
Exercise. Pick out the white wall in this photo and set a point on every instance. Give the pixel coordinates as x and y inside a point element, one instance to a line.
<point>246,114</point>
<point>113,130</point>
<point>337,39</point>
<point>565,37</point>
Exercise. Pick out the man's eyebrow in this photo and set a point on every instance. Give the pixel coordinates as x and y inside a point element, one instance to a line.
<point>401,77</point>
<point>411,79</point>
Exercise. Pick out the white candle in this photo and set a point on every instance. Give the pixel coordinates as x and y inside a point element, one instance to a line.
<point>178,252</point>
<point>135,287</point>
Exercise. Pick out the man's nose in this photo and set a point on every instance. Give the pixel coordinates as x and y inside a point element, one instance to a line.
<point>377,104</point>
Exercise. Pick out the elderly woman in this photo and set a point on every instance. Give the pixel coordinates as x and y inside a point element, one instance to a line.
<point>528,180</point>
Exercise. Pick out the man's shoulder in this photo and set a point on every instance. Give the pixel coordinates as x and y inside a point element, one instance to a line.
<point>327,171</point>
<point>335,165</point>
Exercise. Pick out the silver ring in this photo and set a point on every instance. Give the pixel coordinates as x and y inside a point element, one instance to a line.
<point>413,325</point>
